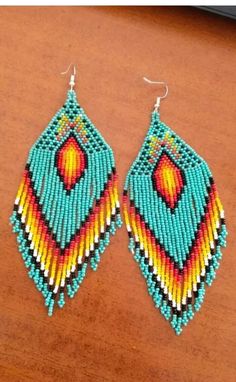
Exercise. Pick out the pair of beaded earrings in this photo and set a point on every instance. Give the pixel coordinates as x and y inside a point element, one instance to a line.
<point>67,207</point>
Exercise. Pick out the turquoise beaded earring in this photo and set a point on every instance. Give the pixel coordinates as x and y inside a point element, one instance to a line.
<point>175,221</point>
<point>67,203</point>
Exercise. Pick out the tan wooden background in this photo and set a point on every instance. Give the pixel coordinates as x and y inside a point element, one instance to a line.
<point>111,331</point>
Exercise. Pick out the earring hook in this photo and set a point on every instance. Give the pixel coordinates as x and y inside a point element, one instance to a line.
<point>72,77</point>
<point>158,101</point>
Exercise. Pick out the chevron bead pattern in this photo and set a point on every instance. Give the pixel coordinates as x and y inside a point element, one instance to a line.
<point>67,204</point>
<point>175,222</point>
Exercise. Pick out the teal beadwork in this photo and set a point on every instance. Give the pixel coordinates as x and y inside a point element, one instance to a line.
<point>173,213</point>
<point>67,199</point>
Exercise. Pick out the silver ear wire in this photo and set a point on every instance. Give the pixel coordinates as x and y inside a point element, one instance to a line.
<point>158,100</point>
<point>72,77</point>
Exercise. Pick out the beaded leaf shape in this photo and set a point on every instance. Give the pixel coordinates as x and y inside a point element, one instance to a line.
<point>67,203</point>
<point>175,222</point>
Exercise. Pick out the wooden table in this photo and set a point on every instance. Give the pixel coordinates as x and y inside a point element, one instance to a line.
<point>111,331</point>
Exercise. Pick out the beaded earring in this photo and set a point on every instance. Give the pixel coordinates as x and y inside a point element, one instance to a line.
<point>67,203</point>
<point>175,221</point>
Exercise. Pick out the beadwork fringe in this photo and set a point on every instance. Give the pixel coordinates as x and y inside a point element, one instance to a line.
<point>64,214</point>
<point>176,278</point>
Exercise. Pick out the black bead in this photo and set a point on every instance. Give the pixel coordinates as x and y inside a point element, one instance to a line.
<point>142,253</point>
<point>117,210</point>
<point>179,314</point>
<point>184,307</point>
<point>174,310</point>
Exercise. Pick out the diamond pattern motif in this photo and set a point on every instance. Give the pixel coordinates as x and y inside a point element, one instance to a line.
<point>70,162</point>
<point>168,180</point>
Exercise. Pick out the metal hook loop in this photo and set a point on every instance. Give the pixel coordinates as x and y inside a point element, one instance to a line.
<point>72,77</point>
<point>158,101</point>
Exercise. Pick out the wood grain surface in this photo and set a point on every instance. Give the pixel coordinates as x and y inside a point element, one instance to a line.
<point>111,331</point>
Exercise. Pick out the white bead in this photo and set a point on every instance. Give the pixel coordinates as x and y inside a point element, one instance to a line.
<point>51,281</point>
